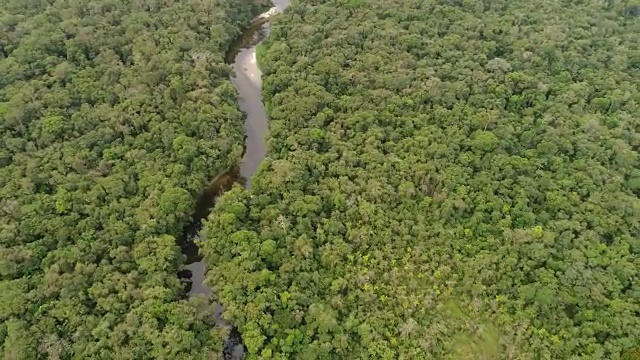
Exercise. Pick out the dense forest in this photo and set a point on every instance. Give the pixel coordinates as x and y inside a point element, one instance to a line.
<point>446,179</point>
<point>114,115</point>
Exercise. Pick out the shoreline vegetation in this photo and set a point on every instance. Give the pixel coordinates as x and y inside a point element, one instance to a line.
<point>260,53</point>
<point>443,180</point>
<point>115,116</point>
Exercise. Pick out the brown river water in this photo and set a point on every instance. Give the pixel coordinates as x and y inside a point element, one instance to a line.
<point>247,81</point>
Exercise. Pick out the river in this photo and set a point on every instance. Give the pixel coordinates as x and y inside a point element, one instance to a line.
<point>247,81</point>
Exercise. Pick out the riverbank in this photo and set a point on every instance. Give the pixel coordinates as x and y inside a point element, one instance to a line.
<point>247,81</point>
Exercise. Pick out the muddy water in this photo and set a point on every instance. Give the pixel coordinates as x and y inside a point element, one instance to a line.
<point>247,81</point>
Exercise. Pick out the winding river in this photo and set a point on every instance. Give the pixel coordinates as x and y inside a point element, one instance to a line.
<point>247,81</point>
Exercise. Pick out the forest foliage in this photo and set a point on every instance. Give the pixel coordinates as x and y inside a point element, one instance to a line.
<point>114,115</point>
<point>445,179</point>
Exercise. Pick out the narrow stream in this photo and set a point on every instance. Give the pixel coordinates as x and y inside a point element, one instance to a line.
<point>242,54</point>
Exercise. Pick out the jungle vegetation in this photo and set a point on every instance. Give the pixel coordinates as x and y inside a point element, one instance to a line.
<point>445,179</point>
<point>114,115</point>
